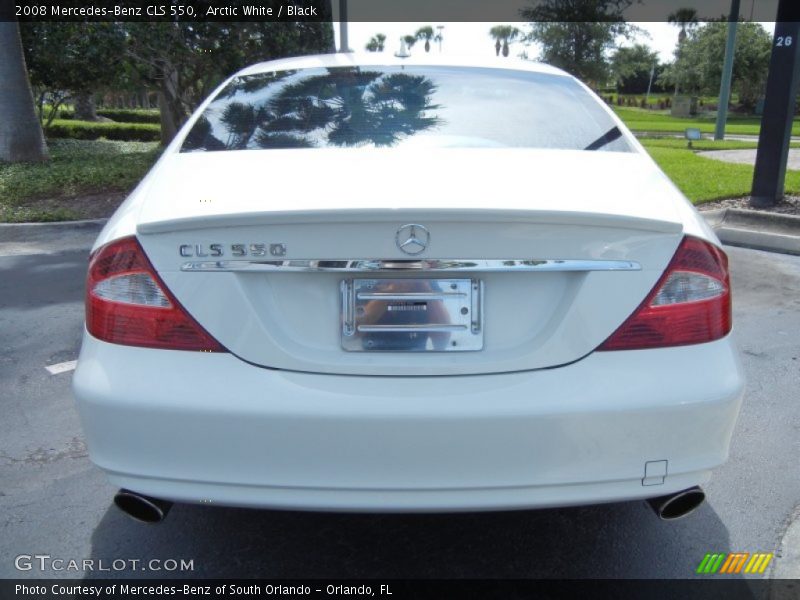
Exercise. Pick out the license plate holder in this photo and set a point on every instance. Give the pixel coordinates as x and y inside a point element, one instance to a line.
<point>412,315</point>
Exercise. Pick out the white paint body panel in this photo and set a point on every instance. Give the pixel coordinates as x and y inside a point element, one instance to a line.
<point>290,420</point>
<point>209,185</point>
<point>194,427</point>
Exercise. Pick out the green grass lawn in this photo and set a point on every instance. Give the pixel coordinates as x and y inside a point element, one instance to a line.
<point>75,167</point>
<point>703,179</point>
<point>638,119</point>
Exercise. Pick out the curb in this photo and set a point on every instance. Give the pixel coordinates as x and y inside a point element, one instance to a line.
<point>56,224</point>
<point>755,229</point>
<point>25,232</point>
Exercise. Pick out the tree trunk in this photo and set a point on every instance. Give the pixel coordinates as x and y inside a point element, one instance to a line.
<point>168,126</point>
<point>169,103</point>
<point>21,137</point>
<point>85,109</point>
<point>170,108</point>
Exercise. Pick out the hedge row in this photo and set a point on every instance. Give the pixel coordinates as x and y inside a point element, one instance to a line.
<point>121,115</point>
<point>88,130</point>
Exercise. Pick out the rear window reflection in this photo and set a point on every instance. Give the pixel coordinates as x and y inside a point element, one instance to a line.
<point>350,107</point>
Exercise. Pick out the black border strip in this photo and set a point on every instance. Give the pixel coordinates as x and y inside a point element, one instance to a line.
<point>426,11</point>
<point>721,588</point>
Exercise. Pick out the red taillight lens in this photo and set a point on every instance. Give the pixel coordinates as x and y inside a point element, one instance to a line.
<point>690,304</point>
<point>127,303</point>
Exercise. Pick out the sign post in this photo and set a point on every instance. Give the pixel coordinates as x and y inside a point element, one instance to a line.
<point>776,124</point>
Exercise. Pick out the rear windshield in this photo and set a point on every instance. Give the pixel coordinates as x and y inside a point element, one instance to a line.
<point>403,106</point>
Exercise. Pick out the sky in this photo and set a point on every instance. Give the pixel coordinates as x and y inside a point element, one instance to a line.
<point>472,39</point>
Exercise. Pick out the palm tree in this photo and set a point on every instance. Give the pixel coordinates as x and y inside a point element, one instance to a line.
<point>503,36</point>
<point>351,107</point>
<point>685,19</point>
<point>21,137</point>
<point>376,43</point>
<point>241,121</point>
<point>344,107</point>
<point>410,40</point>
<point>425,33</point>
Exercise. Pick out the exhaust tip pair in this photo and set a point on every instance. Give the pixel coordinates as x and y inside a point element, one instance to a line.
<point>153,510</point>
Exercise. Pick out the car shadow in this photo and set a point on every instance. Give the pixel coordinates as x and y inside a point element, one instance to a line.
<point>623,540</point>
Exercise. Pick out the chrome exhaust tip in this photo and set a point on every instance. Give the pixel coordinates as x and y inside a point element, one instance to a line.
<point>142,508</point>
<point>677,505</point>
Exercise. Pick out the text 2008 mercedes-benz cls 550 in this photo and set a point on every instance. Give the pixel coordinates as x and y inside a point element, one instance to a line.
<point>376,284</point>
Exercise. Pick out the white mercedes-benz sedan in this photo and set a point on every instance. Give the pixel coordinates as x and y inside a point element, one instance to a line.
<point>364,283</point>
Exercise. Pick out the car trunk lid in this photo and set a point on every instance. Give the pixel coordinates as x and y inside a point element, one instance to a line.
<point>559,246</point>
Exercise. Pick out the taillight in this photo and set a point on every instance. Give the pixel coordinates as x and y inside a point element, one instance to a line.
<point>690,304</point>
<point>127,303</point>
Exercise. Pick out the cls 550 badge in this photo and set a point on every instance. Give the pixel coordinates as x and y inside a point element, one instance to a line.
<point>214,250</point>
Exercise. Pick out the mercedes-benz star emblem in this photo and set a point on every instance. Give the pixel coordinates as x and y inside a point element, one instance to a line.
<point>412,238</point>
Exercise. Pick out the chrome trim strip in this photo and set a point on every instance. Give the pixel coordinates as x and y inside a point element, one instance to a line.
<point>409,296</point>
<point>433,265</point>
<point>409,328</point>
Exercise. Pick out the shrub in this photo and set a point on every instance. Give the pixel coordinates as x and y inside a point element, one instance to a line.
<point>120,115</point>
<point>88,130</point>
<point>129,115</point>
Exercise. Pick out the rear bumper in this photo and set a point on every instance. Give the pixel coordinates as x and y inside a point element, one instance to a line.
<point>211,428</point>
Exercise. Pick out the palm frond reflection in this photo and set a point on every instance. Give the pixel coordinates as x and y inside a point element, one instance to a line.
<point>345,107</point>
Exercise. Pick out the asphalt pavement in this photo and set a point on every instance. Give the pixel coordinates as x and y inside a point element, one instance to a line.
<point>54,502</point>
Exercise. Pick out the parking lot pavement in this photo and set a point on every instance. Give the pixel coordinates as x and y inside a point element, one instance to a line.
<point>53,501</point>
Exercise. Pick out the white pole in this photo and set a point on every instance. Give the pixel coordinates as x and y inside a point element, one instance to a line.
<point>650,86</point>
